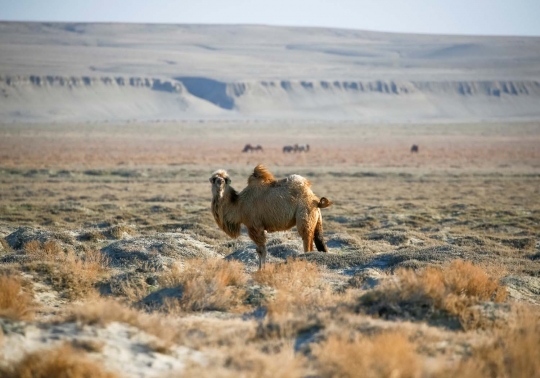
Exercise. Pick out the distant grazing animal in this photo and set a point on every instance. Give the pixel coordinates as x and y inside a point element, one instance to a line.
<point>288,149</point>
<point>414,148</point>
<point>268,205</point>
<point>303,148</point>
<point>296,148</point>
<point>250,148</point>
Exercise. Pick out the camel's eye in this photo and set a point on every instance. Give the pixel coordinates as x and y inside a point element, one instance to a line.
<point>228,180</point>
<point>212,180</point>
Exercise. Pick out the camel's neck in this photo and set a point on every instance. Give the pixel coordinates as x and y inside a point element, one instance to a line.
<point>225,208</point>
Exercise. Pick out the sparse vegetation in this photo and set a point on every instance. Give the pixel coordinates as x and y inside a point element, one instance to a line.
<point>416,283</point>
<point>15,303</point>
<point>434,291</point>
<point>206,285</point>
<point>61,362</point>
<point>389,354</point>
<point>299,287</point>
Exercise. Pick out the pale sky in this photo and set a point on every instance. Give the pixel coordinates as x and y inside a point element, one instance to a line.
<point>484,17</point>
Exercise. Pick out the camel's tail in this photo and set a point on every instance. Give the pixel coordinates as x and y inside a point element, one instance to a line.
<point>324,202</point>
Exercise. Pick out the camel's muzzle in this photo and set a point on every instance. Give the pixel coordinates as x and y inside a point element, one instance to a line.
<point>219,181</point>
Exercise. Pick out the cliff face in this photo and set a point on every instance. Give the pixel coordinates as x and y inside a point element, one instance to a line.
<point>98,72</point>
<point>85,98</point>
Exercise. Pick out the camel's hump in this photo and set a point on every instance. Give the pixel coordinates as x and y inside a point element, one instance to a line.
<point>297,179</point>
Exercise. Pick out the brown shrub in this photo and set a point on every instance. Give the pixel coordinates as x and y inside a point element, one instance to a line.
<point>513,352</point>
<point>47,251</point>
<point>14,302</point>
<point>92,236</point>
<point>452,289</point>
<point>299,287</point>
<point>117,232</point>
<point>74,275</point>
<point>102,312</point>
<point>4,244</point>
<point>61,362</point>
<point>389,354</point>
<point>248,362</point>
<point>212,284</point>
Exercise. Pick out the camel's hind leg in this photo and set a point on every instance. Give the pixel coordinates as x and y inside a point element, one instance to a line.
<point>318,236</point>
<point>305,223</point>
<point>259,238</point>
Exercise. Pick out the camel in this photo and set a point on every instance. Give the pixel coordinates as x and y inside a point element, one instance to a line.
<point>414,148</point>
<point>250,148</point>
<point>268,205</point>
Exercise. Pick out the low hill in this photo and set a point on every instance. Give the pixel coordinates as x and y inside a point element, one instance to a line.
<point>60,72</point>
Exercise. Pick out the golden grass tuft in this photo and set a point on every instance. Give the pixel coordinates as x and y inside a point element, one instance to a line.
<point>291,274</point>
<point>14,302</point>
<point>212,284</point>
<point>104,311</point>
<point>248,362</point>
<point>46,251</point>
<point>513,351</point>
<point>75,275</point>
<point>118,232</point>
<point>4,245</point>
<point>452,289</point>
<point>298,285</point>
<point>93,236</point>
<point>388,354</point>
<point>60,362</point>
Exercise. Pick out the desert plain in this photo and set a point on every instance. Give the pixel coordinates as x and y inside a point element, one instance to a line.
<point>114,259</point>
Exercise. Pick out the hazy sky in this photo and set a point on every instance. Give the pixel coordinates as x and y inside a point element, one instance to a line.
<point>500,17</point>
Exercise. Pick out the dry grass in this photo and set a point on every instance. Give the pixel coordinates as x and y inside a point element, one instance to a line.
<point>60,362</point>
<point>299,287</point>
<point>248,362</point>
<point>389,354</point>
<point>102,312</point>
<point>92,236</point>
<point>74,275</point>
<point>212,284</point>
<point>452,289</point>
<point>46,251</point>
<point>14,302</point>
<point>119,231</point>
<point>512,352</point>
<point>4,245</point>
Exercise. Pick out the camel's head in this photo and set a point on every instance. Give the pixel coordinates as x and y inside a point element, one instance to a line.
<point>219,180</point>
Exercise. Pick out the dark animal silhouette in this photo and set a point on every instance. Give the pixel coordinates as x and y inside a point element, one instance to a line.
<point>250,148</point>
<point>296,148</point>
<point>414,148</point>
<point>288,149</point>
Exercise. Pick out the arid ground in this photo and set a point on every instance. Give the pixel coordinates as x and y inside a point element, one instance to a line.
<point>112,265</point>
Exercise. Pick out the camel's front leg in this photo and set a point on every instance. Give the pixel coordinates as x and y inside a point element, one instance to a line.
<point>259,238</point>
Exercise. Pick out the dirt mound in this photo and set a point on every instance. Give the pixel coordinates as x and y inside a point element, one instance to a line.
<point>417,257</point>
<point>392,237</point>
<point>335,261</point>
<point>23,235</point>
<point>154,252</point>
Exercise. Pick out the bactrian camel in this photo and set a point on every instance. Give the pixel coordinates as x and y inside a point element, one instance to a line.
<point>270,205</point>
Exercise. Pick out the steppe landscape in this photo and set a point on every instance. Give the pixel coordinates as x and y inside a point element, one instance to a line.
<point>111,264</point>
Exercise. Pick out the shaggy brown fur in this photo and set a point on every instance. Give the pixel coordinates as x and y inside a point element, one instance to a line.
<point>268,205</point>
